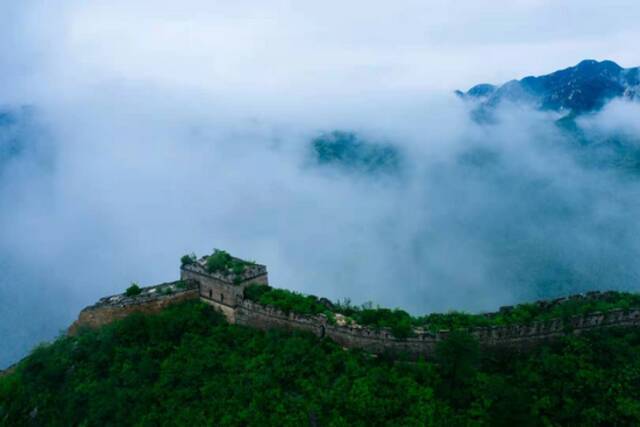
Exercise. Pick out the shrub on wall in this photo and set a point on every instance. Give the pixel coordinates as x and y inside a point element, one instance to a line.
<point>221,262</point>
<point>133,290</point>
<point>254,291</point>
<point>402,324</point>
<point>399,321</point>
<point>218,261</point>
<point>287,301</point>
<point>188,259</point>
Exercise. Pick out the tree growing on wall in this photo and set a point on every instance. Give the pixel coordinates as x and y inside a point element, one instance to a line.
<point>133,290</point>
<point>188,259</point>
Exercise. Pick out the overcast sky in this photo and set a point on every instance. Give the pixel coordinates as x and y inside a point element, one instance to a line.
<point>300,48</point>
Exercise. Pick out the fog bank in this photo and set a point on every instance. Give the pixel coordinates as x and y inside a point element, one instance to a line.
<point>149,133</point>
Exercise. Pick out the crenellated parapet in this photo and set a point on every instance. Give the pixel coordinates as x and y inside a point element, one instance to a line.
<point>221,280</point>
<point>423,342</point>
<point>151,299</point>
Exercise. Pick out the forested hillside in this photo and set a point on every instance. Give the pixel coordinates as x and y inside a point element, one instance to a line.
<point>187,366</point>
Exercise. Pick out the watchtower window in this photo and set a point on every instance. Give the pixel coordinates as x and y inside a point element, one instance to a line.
<point>221,297</point>
<point>210,294</point>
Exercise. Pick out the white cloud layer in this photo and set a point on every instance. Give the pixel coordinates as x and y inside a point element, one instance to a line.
<point>167,127</point>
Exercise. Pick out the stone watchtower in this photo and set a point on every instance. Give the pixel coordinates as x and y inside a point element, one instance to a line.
<point>223,278</point>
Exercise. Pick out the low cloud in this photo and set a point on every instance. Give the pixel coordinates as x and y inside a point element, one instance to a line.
<point>125,168</point>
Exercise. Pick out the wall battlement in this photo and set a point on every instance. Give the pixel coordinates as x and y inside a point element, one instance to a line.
<point>519,337</point>
<point>228,297</point>
<point>151,300</point>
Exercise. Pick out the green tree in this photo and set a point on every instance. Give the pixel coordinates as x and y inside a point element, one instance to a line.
<point>188,259</point>
<point>133,290</point>
<point>458,357</point>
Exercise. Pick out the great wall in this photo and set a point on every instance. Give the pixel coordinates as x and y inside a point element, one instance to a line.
<point>225,292</point>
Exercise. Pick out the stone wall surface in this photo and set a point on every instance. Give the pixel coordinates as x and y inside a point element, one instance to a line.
<point>213,288</point>
<point>523,336</point>
<point>229,312</point>
<point>422,343</point>
<point>152,300</point>
<point>519,337</point>
<point>251,272</point>
<point>219,291</point>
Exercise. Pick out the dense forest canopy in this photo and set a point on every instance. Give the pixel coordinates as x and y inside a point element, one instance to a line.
<point>187,366</point>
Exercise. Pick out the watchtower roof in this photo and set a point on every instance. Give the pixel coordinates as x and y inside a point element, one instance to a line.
<point>226,268</point>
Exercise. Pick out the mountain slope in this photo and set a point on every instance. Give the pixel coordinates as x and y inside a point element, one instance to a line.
<point>187,366</point>
<point>583,88</point>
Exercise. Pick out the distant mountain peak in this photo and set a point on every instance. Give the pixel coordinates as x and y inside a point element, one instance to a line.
<point>582,88</point>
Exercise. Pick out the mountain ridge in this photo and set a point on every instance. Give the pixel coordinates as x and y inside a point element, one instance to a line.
<point>583,88</point>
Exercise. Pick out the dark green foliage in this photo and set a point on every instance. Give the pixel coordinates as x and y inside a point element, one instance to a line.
<point>349,151</point>
<point>458,358</point>
<point>452,320</point>
<point>285,300</point>
<point>218,261</point>
<point>186,366</point>
<point>238,268</point>
<point>188,259</point>
<point>254,291</point>
<point>133,290</point>
<point>527,313</point>
<point>222,262</point>
<point>520,314</point>
<point>402,323</point>
<point>399,321</point>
